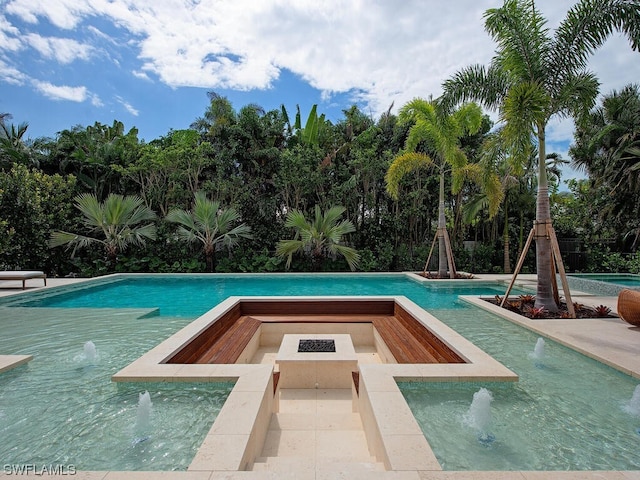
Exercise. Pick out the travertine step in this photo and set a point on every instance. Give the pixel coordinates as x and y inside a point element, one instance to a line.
<point>325,464</point>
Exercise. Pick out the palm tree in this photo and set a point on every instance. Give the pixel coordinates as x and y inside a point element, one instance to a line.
<point>210,225</point>
<point>319,238</point>
<point>13,148</point>
<point>607,146</point>
<point>535,75</point>
<point>116,220</point>
<point>441,133</point>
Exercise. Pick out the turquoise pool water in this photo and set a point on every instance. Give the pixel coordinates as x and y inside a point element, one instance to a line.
<point>566,412</point>
<point>62,408</point>
<point>624,279</point>
<point>77,402</point>
<point>192,296</point>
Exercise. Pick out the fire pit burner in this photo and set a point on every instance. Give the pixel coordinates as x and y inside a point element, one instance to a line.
<point>307,346</point>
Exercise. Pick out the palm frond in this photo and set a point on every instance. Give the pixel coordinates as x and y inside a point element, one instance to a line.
<point>59,238</point>
<point>350,255</point>
<point>403,165</point>
<point>286,248</point>
<point>90,207</point>
<point>587,25</point>
<point>521,35</point>
<point>475,83</point>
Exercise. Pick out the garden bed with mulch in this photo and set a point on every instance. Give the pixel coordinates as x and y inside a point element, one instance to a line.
<point>435,276</point>
<point>525,305</point>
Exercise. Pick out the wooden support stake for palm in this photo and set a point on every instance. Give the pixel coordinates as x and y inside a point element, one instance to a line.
<point>433,244</point>
<point>518,266</point>
<point>449,250</point>
<point>555,252</point>
<point>555,247</point>
<point>452,264</point>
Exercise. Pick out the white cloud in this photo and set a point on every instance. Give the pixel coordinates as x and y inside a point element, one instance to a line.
<point>128,107</point>
<point>11,74</point>
<point>9,40</point>
<point>378,52</point>
<point>95,100</point>
<point>64,50</point>
<point>141,75</point>
<point>62,13</point>
<point>61,92</point>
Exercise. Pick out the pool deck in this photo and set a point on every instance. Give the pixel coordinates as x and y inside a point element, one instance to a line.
<point>612,341</point>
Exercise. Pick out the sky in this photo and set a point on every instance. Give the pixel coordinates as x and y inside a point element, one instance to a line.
<point>150,63</point>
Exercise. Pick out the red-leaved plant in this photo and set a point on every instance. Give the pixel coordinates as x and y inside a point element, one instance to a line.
<point>537,312</point>
<point>602,311</point>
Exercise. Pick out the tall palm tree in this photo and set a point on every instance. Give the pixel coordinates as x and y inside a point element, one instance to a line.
<point>210,225</point>
<point>495,160</point>
<point>535,75</point>
<point>441,134</point>
<point>320,238</point>
<point>116,220</point>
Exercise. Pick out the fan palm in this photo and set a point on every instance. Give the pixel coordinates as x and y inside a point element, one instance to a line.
<point>534,76</point>
<point>319,238</point>
<point>116,220</point>
<point>210,225</point>
<point>441,133</point>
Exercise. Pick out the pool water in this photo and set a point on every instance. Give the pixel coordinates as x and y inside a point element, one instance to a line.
<point>192,296</point>
<point>624,279</point>
<point>566,412</point>
<point>63,409</point>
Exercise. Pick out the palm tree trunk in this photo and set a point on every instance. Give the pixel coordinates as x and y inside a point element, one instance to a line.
<point>442,252</point>
<point>507,260</point>
<point>209,255</point>
<point>111,254</point>
<point>544,294</point>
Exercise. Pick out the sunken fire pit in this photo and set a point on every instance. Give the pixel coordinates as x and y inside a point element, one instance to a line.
<point>316,368</point>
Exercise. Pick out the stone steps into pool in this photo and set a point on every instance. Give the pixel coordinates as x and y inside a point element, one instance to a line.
<point>316,430</point>
<point>317,464</point>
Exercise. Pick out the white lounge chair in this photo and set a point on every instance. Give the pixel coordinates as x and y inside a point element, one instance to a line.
<point>22,275</point>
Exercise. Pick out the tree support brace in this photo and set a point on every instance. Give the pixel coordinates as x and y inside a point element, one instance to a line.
<point>545,230</point>
<point>447,242</point>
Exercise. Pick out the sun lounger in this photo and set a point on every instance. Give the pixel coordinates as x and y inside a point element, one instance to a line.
<point>629,306</point>
<point>22,275</point>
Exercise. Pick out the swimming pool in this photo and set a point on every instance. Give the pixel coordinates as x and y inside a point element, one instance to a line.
<point>62,407</point>
<point>179,299</point>
<point>193,295</point>
<point>556,417</point>
<point>609,284</point>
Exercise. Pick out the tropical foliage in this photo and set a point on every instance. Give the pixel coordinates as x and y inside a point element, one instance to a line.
<point>116,222</point>
<point>209,224</point>
<point>536,75</point>
<point>438,133</point>
<point>319,238</point>
<point>608,148</point>
<point>281,176</point>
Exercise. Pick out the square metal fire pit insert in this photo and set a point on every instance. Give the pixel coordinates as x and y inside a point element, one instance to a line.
<point>315,345</point>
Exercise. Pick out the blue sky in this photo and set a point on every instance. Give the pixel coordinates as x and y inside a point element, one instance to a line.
<point>150,63</point>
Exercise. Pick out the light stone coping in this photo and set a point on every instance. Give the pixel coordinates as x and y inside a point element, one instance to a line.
<point>393,435</point>
<point>607,340</point>
<point>7,362</point>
